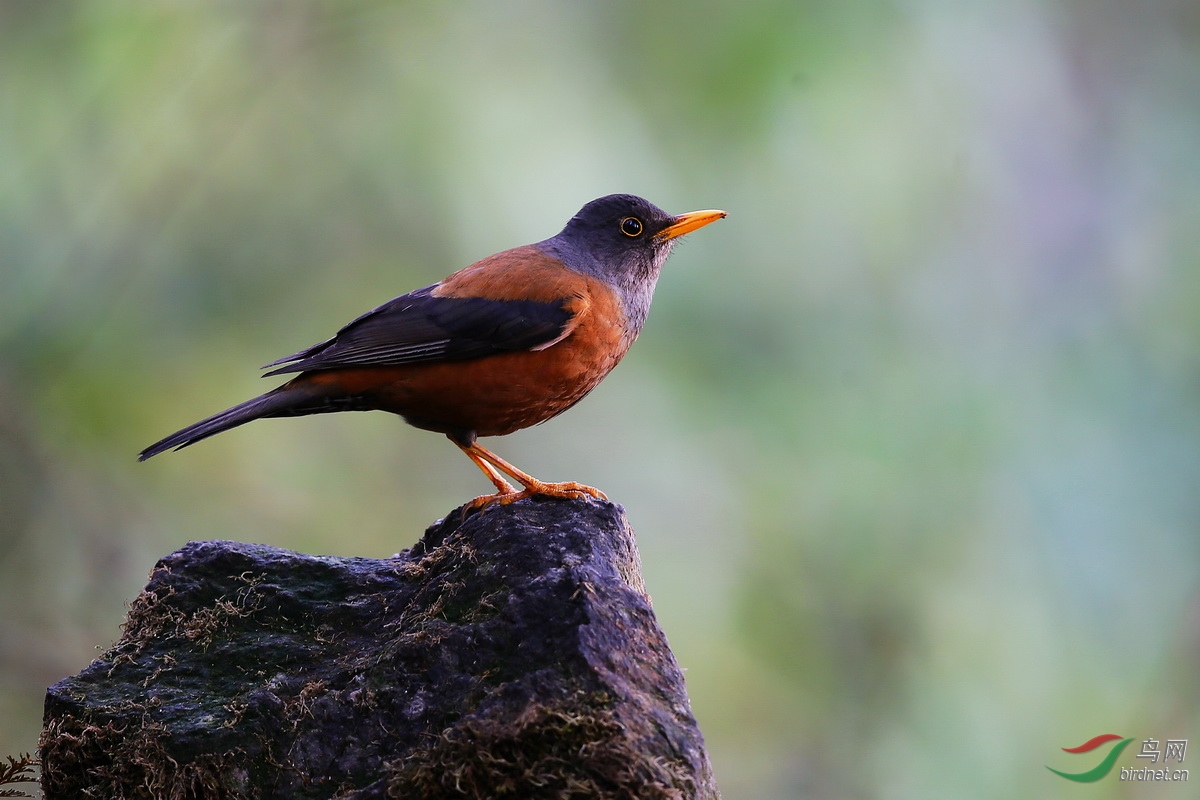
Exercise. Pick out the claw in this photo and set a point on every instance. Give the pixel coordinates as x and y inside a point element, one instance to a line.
<point>563,491</point>
<point>492,465</point>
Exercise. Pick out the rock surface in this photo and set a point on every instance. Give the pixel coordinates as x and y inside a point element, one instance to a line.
<point>510,654</point>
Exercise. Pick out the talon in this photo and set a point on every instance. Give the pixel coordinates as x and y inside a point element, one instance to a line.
<point>569,490</point>
<point>561,491</point>
<point>483,501</point>
<point>492,466</point>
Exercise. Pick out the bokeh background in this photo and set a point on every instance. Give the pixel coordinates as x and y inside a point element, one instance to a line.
<point>911,440</point>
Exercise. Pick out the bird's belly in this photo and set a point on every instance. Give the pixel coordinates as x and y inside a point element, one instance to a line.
<point>490,396</point>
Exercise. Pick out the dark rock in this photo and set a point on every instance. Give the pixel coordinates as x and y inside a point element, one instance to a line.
<point>513,654</point>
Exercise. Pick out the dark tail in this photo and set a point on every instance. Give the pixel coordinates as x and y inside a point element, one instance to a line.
<point>275,403</point>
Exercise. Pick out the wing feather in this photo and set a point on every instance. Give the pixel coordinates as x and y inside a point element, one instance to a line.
<point>422,327</point>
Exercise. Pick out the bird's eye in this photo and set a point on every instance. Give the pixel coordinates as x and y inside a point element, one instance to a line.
<point>631,226</point>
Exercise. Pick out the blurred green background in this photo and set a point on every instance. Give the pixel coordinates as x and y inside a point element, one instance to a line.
<point>911,440</point>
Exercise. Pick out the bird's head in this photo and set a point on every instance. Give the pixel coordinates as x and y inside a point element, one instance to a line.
<point>624,240</point>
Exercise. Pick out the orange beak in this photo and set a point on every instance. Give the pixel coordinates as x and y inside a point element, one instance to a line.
<point>686,223</point>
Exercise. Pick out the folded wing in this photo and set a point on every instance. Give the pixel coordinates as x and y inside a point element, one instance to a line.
<point>422,327</point>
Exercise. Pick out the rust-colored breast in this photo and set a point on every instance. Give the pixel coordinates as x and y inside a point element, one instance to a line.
<point>503,393</point>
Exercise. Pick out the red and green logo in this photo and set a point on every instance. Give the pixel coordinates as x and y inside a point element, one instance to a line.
<point>1104,767</point>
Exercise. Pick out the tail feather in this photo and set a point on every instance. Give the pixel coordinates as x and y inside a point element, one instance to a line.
<point>275,403</point>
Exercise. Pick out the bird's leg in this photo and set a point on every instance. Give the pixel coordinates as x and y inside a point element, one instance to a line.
<point>503,487</point>
<point>569,489</point>
<point>489,462</point>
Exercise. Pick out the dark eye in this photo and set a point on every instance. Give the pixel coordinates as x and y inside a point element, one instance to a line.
<point>631,226</point>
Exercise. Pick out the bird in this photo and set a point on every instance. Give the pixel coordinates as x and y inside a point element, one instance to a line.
<point>508,342</point>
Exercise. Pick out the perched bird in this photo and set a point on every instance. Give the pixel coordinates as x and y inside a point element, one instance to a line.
<point>508,342</point>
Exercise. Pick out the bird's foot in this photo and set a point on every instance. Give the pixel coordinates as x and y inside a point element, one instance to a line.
<point>569,490</point>
<point>492,466</point>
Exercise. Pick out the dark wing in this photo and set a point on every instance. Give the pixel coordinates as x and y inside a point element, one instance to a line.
<point>419,327</point>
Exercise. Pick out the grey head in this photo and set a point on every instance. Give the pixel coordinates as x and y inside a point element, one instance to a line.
<point>623,240</point>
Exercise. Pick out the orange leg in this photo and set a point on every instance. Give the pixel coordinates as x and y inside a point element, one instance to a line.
<point>492,465</point>
<point>503,487</point>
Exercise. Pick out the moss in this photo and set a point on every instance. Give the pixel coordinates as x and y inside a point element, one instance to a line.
<point>129,762</point>
<point>153,616</point>
<point>574,750</point>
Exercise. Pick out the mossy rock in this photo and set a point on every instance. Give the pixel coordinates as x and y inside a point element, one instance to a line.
<point>513,653</point>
